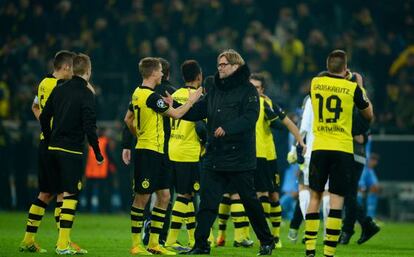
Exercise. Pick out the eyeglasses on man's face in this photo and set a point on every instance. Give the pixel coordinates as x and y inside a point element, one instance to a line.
<point>222,65</point>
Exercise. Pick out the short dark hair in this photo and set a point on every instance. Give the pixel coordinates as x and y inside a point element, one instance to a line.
<point>165,66</point>
<point>336,61</point>
<point>63,57</point>
<point>148,65</point>
<point>259,77</point>
<point>81,64</point>
<point>190,69</point>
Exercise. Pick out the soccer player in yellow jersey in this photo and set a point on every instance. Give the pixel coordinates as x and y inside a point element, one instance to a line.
<point>48,181</point>
<point>71,111</point>
<point>150,174</point>
<point>184,153</point>
<point>266,177</point>
<point>333,98</point>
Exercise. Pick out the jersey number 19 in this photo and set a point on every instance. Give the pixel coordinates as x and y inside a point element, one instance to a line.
<point>333,105</point>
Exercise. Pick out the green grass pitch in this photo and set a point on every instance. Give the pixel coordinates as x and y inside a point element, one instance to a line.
<point>108,235</point>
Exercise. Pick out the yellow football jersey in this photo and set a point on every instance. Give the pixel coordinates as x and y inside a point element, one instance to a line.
<point>265,146</point>
<point>44,90</point>
<point>271,147</point>
<point>184,144</point>
<point>332,104</point>
<point>148,107</point>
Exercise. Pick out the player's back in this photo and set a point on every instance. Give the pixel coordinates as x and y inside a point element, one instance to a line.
<point>71,101</point>
<point>332,103</point>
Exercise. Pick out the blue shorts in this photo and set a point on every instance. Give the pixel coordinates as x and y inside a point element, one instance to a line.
<point>368,179</point>
<point>290,183</point>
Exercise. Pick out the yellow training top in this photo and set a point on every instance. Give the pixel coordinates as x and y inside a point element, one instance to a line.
<point>332,100</point>
<point>265,146</point>
<point>184,144</point>
<point>44,90</point>
<point>148,107</point>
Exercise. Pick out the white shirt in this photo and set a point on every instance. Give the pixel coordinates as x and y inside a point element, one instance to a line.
<point>306,126</point>
<point>36,100</point>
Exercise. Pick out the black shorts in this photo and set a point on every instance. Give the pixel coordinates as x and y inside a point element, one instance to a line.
<point>230,189</point>
<point>48,178</point>
<point>69,168</point>
<point>262,176</point>
<point>186,177</point>
<point>152,171</point>
<point>274,176</point>
<point>335,165</point>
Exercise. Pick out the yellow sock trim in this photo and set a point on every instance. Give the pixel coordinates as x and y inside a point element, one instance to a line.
<point>34,219</point>
<point>311,230</point>
<point>333,230</point>
<point>211,237</point>
<point>57,212</point>
<point>137,217</point>
<point>157,222</point>
<point>275,217</point>
<point>246,228</point>
<point>191,222</point>
<point>238,218</point>
<point>264,200</point>
<point>223,216</point>
<point>178,216</point>
<point>67,216</point>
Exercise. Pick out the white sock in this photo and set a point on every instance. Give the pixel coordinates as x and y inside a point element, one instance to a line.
<point>304,198</point>
<point>325,210</point>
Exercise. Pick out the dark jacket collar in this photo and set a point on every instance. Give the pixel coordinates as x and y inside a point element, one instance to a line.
<point>80,79</point>
<point>238,78</point>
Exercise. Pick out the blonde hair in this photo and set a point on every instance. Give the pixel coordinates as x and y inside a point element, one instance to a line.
<point>148,65</point>
<point>81,64</point>
<point>232,57</point>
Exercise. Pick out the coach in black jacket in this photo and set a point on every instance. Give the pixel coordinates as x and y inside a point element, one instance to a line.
<point>231,108</point>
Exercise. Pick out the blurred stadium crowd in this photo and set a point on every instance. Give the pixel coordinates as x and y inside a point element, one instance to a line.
<point>288,40</point>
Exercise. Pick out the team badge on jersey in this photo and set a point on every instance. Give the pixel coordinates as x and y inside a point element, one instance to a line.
<point>161,104</point>
<point>196,186</point>
<point>145,184</point>
<point>277,180</point>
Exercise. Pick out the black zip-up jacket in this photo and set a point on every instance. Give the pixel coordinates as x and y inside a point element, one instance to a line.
<point>72,107</point>
<point>233,104</point>
<point>360,126</point>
